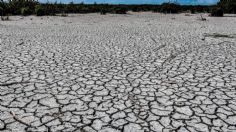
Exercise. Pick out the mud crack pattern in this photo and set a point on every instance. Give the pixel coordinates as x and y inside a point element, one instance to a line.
<point>131,73</point>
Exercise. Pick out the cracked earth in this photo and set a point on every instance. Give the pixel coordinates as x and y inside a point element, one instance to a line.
<point>132,73</point>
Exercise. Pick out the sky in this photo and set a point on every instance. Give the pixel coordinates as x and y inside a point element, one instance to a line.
<point>183,2</point>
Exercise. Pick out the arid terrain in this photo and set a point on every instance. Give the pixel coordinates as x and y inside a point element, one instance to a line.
<point>138,72</point>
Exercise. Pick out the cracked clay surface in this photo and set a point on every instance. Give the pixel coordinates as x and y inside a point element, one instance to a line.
<point>117,73</point>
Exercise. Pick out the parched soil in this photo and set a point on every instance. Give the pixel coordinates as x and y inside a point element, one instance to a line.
<point>118,73</point>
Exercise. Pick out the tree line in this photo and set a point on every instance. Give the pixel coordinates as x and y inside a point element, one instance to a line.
<point>30,7</point>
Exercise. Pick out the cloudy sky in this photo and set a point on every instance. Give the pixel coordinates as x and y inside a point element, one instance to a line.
<point>191,2</point>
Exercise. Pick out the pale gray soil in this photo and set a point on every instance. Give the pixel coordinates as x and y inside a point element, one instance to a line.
<point>131,73</point>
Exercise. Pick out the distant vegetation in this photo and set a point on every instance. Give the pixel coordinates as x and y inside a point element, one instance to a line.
<point>217,12</point>
<point>229,6</point>
<point>33,7</point>
<point>224,6</point>
<point>170,8</point>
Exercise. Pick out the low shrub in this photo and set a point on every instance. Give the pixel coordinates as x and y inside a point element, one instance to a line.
<point>136,9</point>
<point>156,9</point>
<point>64,15</point>
<point>120,10</point>
<point>229,6</point>
<point>103,11</point>
<point>25,11</point>
<point>193,11</point>
<point>170,8</point>
<point>1,11</point>
<point>39,11</point>
<point>84,9</point>
<point>217,12</point>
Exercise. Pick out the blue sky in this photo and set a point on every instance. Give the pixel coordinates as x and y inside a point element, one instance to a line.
<point>187,2</point>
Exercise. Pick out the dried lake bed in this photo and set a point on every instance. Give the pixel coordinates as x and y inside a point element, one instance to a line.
<point>111,73</point>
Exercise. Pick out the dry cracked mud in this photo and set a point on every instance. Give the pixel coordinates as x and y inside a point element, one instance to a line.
<point>137,72</point>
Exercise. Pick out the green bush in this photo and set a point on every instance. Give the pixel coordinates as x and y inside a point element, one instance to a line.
<point>156,9</point>
<point>15,7</point>
<point>25,11</point>
<point>120,10</point>
<point>1,11</point>
<point>193,11</point>
<point>103,11</point>
<point>50,9</point>
<point>39,10</point>
<point>217,12</point>
<point>229,6</point>
<point>84,9</point>
<point>136,9</point>
<point>64,15</point>
<point>170,8</point>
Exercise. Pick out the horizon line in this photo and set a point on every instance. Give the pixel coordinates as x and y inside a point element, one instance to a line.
<point>128,3</point>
